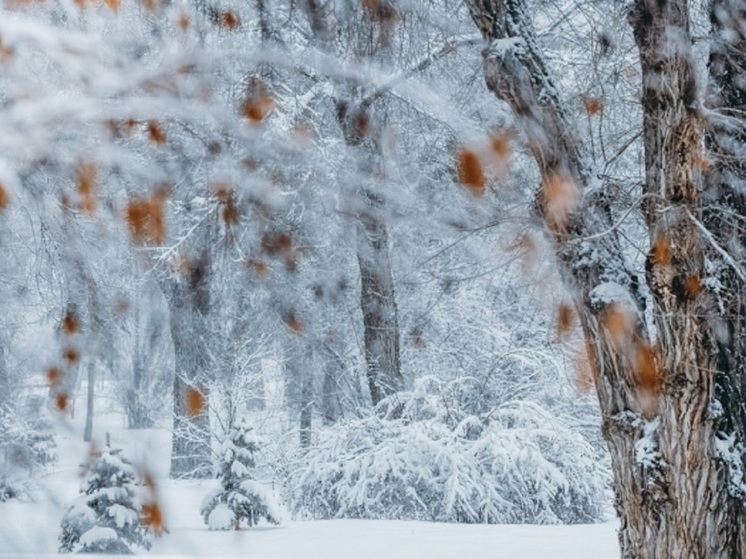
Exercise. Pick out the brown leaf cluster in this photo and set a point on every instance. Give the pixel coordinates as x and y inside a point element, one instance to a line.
<point>151,5</point>
<point>294,323</point>
<point>693,287</point>
<point>61,401</point>
<point>70,355</point>
<point>585,359</point>
<point>152,517</point>
<point>156,133</point>
<point>647,371</point>
<point>146,218</point>
<point>381,11</point>
<point>565,320</point>
<point>618,323</point>
<point>470,172</point>
<point>660,252</point>
<point>259,267</point>
<point>183,21</point>
<point>54,377</point>
<point>6,52</point>
<point>4,197</point>
<point>194,401</point>
<point>69,324</point>
<point>361,124</point>
<point>228,20</point>
<point>111,4</point>
<point>559,199</point>
<point>278,244</point>
<point>87,186</point>
<point>593,105</point>
<point>258,103</point>
<point>225,195</point>
<point>500,146</point>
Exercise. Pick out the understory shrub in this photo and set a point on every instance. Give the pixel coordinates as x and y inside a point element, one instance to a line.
<point>416,459</point>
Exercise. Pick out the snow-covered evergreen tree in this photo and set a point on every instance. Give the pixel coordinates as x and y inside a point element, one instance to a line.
<point>26,445</point>
<point>105,518</point>
<point>240,497</point>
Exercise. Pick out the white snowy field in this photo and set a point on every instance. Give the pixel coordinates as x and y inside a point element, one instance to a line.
<point>30,529</point>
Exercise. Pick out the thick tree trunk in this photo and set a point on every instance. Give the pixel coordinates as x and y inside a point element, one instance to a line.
<point>189,302</point>
<point>377,297</point>
<point>378,304</point>
<point>663,415</point>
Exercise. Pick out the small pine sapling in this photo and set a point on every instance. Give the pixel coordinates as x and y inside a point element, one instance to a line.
<point>240,498</point>
<point>106,517</point>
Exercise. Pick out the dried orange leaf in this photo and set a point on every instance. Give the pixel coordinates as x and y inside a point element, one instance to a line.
<point>87,186</point>
<point>146,220</point>
<point>194,401</point>
<point>565,319</point>
<point>619,323</point>
<point>156,133</point>
<point>646,368</point>
<point>61,401</point>
<point>660,252</point>
<point>54,376</point>
<point>470,173</point>
<point>69,323</point>
<point>559,198</point>
<point>500,145</point>
<point>593,105</point>
<point>71,355</point>
<point>4,198</point>
<point>693,287</point>
<point>259,267</point>
<point>152,517</point>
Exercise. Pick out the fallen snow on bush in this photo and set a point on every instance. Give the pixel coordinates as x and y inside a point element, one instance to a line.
<point>516,465</point>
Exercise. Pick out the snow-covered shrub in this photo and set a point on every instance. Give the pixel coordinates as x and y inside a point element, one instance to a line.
<point>27,446</point>
<point>105,518</point>
<point>240,497</point>
<point>519,465</point>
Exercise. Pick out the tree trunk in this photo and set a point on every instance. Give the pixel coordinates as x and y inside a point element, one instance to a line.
<point>378,304</point>
<point>189,302</point>
<point>377,298</point>
<point>677,474</point>
<point>88,432</point>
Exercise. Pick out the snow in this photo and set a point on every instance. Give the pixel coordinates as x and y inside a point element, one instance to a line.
<point>97,534</point>
<point>500,47</point>
<point>122,515</point>
<point>647,453</point>
<point>610,292</point>
<point>187,535</point>
<point>731,452</point>
<point>221,518</point>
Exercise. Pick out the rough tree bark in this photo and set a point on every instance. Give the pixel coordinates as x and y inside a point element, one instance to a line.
<point>189,304</point>
<point>676,455</point>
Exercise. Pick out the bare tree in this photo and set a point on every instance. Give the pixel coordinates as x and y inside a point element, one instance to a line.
<point>361,129</point>
<point>671,391</point>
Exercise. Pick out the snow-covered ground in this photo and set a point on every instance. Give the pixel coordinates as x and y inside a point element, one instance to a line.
<point>30,529</point>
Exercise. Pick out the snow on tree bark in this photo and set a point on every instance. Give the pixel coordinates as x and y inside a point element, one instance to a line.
<point>676,503</point>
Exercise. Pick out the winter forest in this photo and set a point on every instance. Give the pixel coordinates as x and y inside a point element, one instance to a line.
<point>411,279</point>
